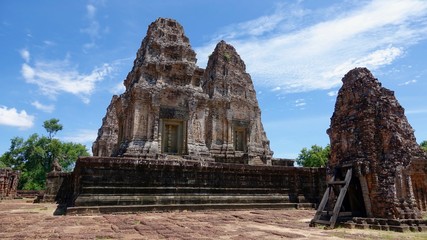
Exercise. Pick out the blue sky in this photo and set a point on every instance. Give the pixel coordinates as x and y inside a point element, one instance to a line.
<point>65,59</point>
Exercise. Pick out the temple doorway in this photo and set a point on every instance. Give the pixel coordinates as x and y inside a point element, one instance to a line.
<point>172,137</point>
<point>240,139</point>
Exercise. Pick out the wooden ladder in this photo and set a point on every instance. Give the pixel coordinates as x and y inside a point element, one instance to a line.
<point>323,216</point>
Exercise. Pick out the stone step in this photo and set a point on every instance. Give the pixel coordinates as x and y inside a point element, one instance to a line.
<point>91,210</point>
<point>89,189</point>
<point>147,199</point>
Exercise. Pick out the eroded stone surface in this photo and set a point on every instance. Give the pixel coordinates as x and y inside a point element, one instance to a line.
<point>369,130</point>
<point>8,183</point>
<point>20,220</point>
<point>172,107</point>
<point>234,127</point>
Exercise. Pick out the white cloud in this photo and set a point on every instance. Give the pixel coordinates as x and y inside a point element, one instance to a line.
<point>275,89</point>
<point>300,103</point>
<point>316,56</point>
<point>332,93</point>
<point>408,82</point>
<point>25,54</point>
<point>11,117</point>
<point>82,136</point>
<point>61,76</point>
<point>49,43</point>
<point>94,29</point>
<point>42,107</point>
<point>91,10</point>
<point>118,89</point>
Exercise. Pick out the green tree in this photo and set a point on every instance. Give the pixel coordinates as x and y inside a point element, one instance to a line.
<point>2,165</point>
<point>314,157</point>
<point>52,126</point>
<point>423,145</point>
<point>34,156</point>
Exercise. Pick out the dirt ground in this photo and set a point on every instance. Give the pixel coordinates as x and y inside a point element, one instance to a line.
<point>21,219</point>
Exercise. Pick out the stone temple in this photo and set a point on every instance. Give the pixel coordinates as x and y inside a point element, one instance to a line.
<point>173,108</point>
<point>185,137</point>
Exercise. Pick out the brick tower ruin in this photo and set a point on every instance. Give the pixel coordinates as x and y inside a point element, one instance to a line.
<point>172,108</point>
<point>370,133</point>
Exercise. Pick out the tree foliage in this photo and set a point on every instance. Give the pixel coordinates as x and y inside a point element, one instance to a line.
<point>52,126</point>
<point>423,145</point>
<point>34,156</point>
<point>317,156</point>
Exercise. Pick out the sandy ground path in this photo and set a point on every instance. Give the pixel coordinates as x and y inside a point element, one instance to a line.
<point>20,219</point>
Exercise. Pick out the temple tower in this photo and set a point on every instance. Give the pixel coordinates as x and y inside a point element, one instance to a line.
<point>172,108</point>
<point>234,129</point>
<point>370,133</point>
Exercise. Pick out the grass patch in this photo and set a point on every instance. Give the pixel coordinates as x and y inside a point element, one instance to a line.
<point>227,57</point>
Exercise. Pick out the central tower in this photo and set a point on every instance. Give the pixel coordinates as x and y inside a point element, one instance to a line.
<point>172,108</point>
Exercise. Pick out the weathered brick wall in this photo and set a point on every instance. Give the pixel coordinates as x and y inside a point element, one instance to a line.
<point>8,183</point>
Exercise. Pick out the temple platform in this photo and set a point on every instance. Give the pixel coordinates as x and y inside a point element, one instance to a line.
<point>107,185</point>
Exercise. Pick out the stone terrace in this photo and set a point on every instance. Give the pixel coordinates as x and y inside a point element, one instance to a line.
<point>20,219</point>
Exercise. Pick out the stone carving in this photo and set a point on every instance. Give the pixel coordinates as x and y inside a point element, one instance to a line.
<point>172,107</point>
<point>56,167</point>
<point>370,132</point>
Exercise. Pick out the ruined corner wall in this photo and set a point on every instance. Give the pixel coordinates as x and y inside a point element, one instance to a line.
<point>8,183</point>
<point>369,131</point>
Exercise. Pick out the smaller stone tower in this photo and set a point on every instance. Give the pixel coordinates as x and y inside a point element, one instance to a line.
<point>234,129</point>
<point>369,131</point>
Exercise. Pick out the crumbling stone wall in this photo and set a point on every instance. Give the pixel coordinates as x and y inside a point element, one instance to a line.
<point>8,183</point>
<point>370,132</point>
